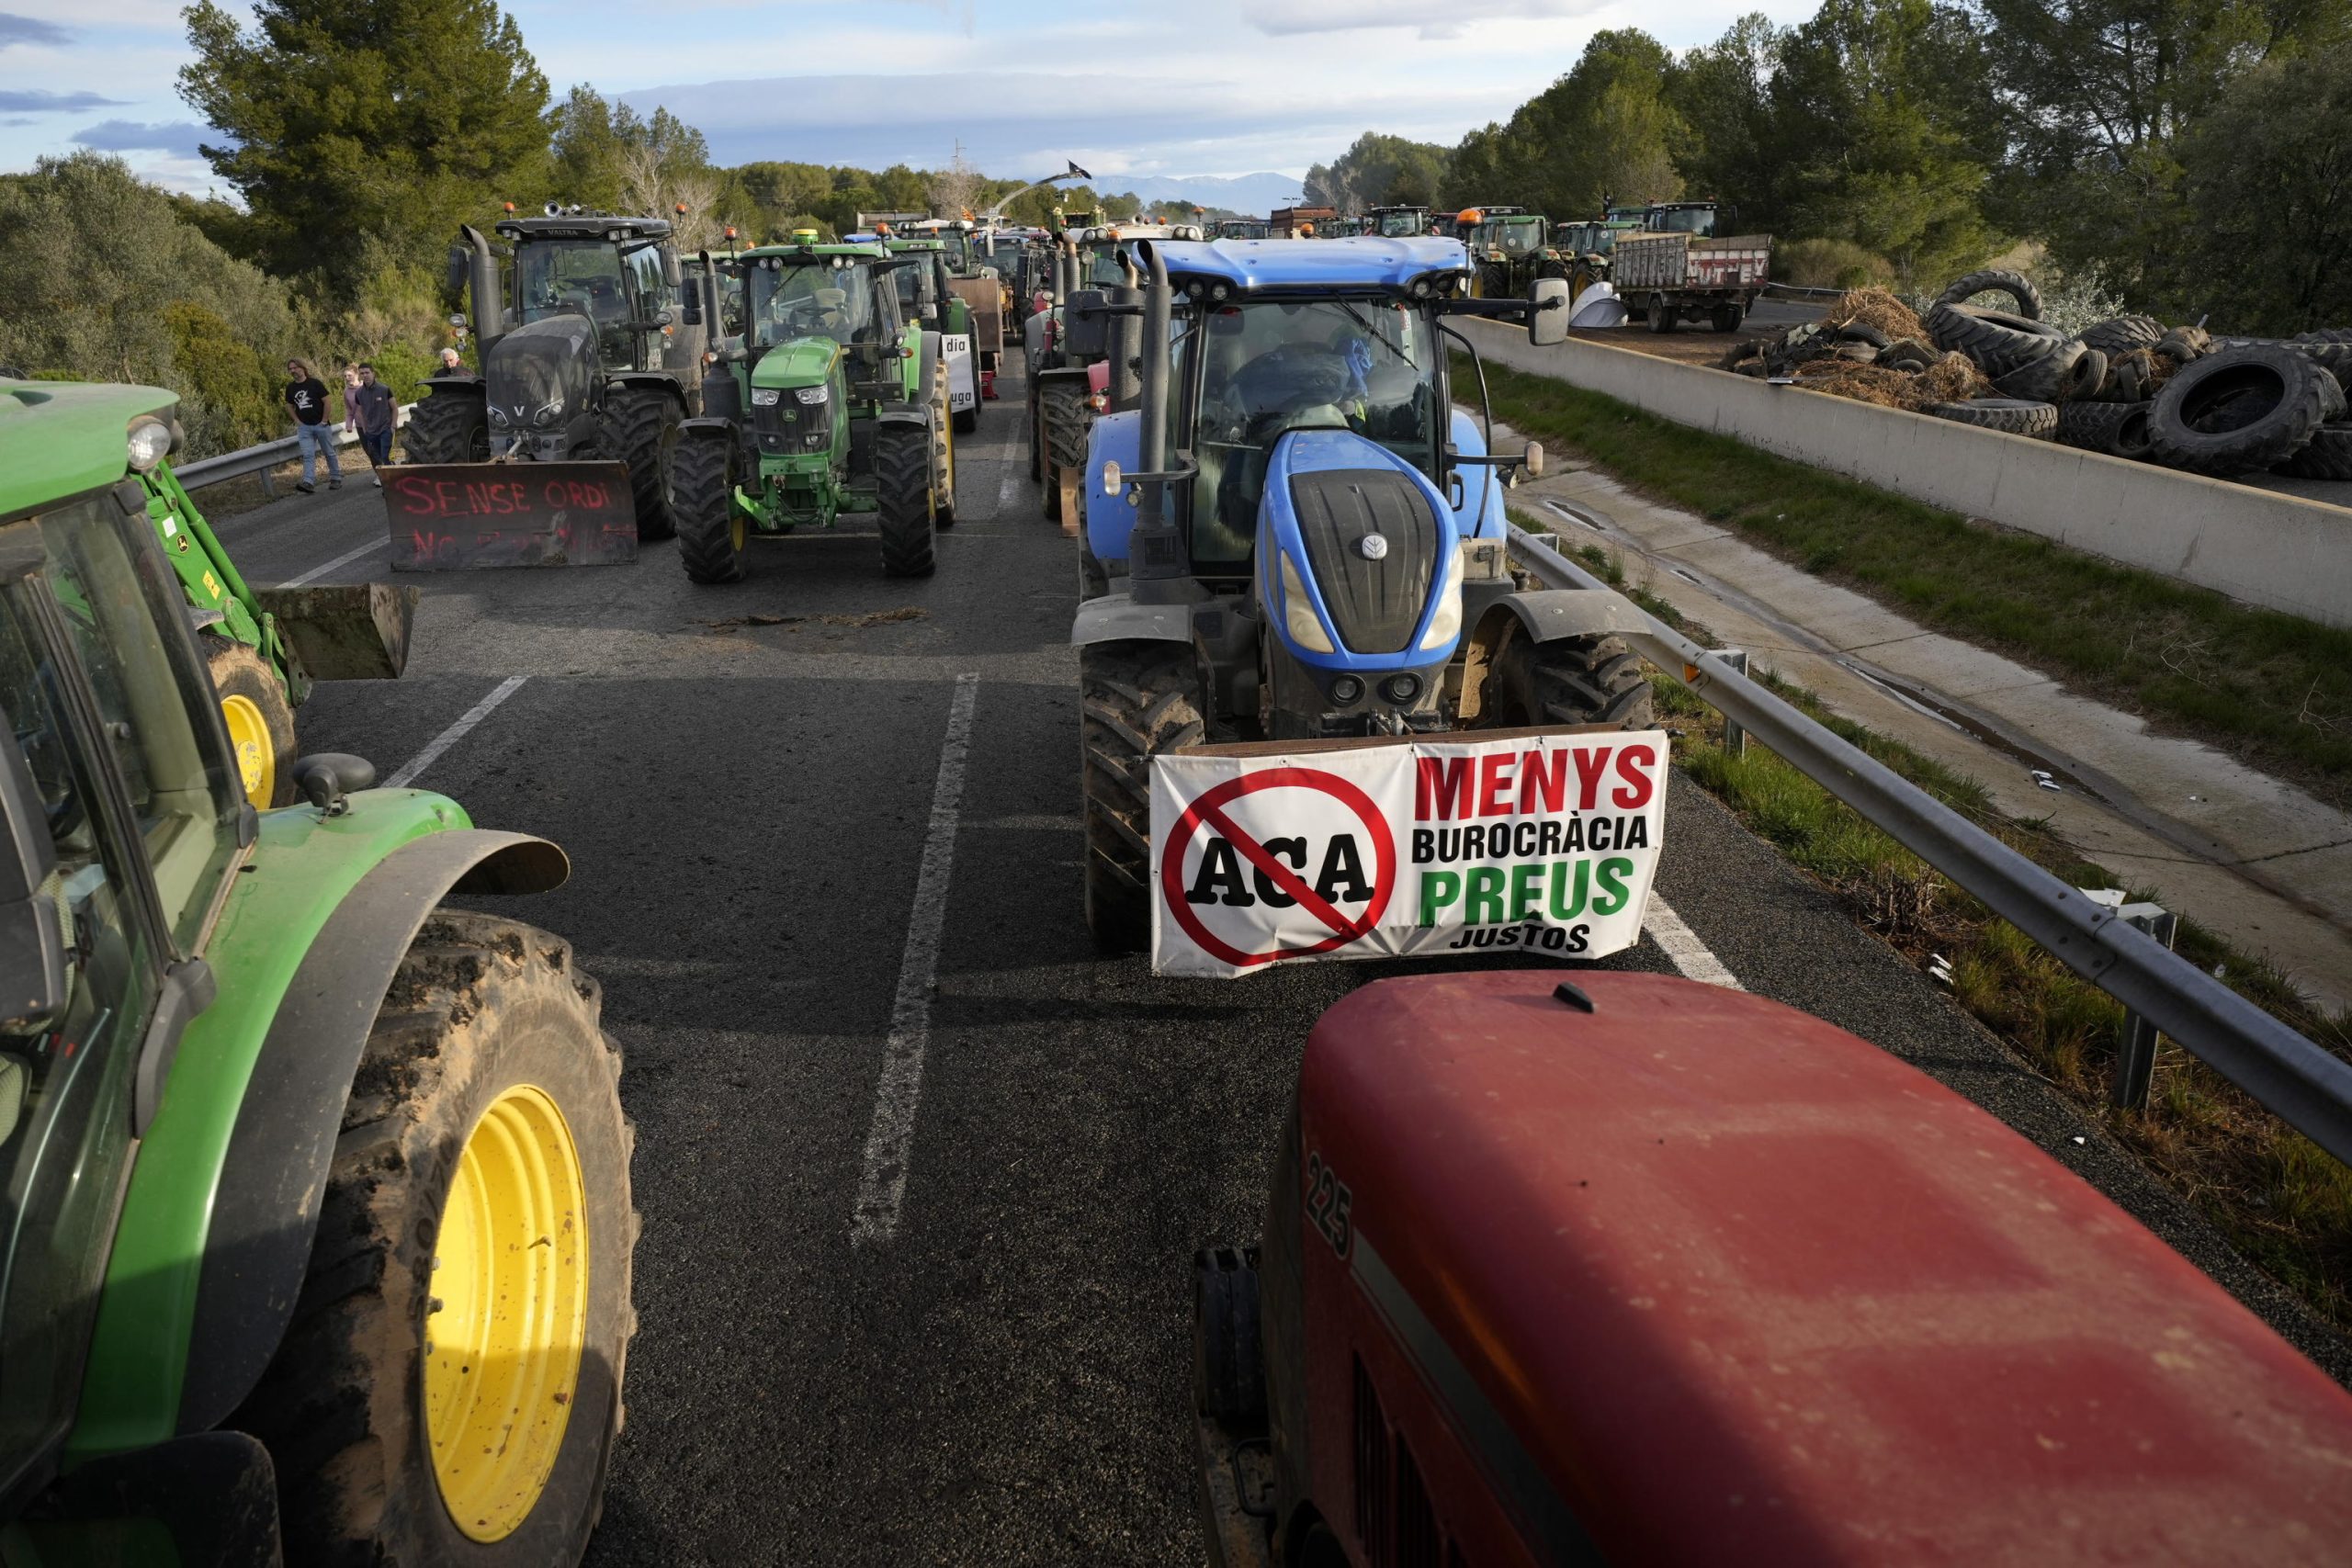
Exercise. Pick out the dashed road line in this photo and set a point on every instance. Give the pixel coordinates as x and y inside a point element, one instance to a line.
<point>344,560</point>
<point>882,1191</point>
<point>455,733</point>
<point>1684,949</point>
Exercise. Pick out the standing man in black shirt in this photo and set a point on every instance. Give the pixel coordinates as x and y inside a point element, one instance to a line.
<point>306,398</point>
<point>373,410</point>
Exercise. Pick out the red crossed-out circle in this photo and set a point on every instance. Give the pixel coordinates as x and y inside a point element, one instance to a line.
<point>1208,811</point>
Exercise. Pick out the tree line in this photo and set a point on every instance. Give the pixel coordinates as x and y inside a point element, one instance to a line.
<point>2192,156</point>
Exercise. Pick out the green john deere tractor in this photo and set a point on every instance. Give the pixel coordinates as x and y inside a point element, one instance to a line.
<point>828,403</point>
<point>265,647</point>
<point>317,1219</point>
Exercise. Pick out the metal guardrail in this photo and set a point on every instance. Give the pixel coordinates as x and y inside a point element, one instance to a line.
<point>261,460</point>
<point>1791,291</point>
<point>2305,1086</point>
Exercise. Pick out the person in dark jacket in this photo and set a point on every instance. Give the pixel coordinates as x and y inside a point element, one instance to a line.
<point>306,399</point>
<point>373,410</point>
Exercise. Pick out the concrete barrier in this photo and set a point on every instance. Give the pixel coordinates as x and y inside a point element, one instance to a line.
<point>2278,551</point>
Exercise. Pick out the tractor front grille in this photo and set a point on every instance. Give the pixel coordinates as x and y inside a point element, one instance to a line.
<point>789,427</point>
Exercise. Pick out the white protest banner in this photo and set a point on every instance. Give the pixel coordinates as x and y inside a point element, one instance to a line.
<point>1538,840</point>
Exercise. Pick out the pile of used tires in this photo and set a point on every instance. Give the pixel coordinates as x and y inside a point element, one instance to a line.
<point>2132,386</point>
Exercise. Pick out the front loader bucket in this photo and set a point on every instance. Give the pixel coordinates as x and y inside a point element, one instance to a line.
<point>455,516</point>
<point>354,631</point>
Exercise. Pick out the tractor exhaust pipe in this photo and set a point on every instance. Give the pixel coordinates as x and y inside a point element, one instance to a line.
<point>1158,566</point>
<point>489,317</point>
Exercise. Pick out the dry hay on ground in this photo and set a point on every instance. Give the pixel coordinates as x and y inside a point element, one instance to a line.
<point>1950,380</point>
<point>1875,308</point>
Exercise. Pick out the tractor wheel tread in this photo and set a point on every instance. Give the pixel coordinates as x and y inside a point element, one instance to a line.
<point>1580,680</point>
<point>703,488</point>
<point>239,671</point>
<point>1997,280</point>
<point>643,428</point>
<point>448,427</point>
<point>2328,457</point>
<point>1067,420</point>
<point>2242,408</point>
<point>479,1004</point>
<point>1136,699</point>
<point>902,477</point>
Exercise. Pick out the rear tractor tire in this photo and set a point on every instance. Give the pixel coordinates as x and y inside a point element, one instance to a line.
<point>485,1161</point>
<point>1135,700</point>
<point>712,531</point>
<point>448,427</point>
<point>1063,412</point>
<point>943,448</point>
<point>644,429</point>
<point>902,471</point>
<point>259,718</point>
<point>1576,680</point>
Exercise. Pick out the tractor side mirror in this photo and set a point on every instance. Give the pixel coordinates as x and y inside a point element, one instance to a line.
<point>930,312</point>
<point>690,305</point>
<point>1726,222</point>
<point>455,280</point>
<point>1531,462</point>
<point>1547,322</point>
<point>1086,324</point>
<point>33,983</point>
<point>671,272</point>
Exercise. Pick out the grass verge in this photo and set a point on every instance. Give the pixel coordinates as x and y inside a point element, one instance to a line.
<point>2272,689</point>
<point>2283,1202</point>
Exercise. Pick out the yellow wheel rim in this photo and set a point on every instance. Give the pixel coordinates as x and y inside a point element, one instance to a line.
<point>736,532</point>
<point>509,1314</point>
<point>257,758</point>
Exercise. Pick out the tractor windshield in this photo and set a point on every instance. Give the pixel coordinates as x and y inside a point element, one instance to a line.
<point>918,287</point>
<point>578,278</point>
<point>829,298</point>
<point>1517,236</point>
<point>1400,225</point>
<point>1106,268</point>
<point>1699,220</point>
<point>1272,367</point>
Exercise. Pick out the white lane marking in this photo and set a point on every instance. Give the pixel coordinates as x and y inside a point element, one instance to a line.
<point>1015,469</point>
<point>882,1191</point>
<point>1683,947</point>
<point>456,732</point>
<point>344,560</point>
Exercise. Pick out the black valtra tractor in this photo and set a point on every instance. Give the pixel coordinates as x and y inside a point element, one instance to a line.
<point>591,352</point>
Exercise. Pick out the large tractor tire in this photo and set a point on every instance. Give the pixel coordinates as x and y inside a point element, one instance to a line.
<point>2240,409</point>
<point>448,427</point>
<point>2329,456</point>
<point>1062,407</point>
<point>1995,343</point>
<point>902,492</point>
<point>2119,430</point>
<point>1135,699</point>
<point>449,1389</point>
<point>1036,444</point>
<point>712,532</point>
<point>644,432</point>
<point>260,721</point>
<point>1994,280</point>
<point>1577,679</point>
<point>2010,416</point>
<point>943,448</point>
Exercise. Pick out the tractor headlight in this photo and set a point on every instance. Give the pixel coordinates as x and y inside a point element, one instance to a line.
<point>765,397</point>
<point>1446,625</point>
<point>549,415</point>
<point>812,395</point>
<point>497,416</point>
<point>1298,612</point>
<point>150,442</point>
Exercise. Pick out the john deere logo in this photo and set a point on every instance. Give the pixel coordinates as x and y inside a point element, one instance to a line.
<point>1373,545</point>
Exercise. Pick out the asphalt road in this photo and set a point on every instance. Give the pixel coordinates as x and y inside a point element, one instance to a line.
<point>1004,1379</point>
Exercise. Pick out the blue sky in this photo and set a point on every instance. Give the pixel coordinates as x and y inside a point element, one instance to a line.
<point>1208,87</point>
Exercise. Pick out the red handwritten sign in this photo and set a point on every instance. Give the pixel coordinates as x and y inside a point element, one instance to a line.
<point>460,516</point>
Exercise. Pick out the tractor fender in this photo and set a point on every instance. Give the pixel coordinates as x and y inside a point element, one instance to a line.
<point>1479,514</point>
<point>926,366</point>
<point>1113,438</point>
<point>653,381</point>
<point>1542,615</point>
<point>1116,617</point>
<point>904,413</point>
<point>266,1209</point>
<point>455,383</point>
<point>706,430</point>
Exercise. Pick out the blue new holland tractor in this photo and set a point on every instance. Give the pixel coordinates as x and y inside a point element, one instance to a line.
<point>1297,535</point>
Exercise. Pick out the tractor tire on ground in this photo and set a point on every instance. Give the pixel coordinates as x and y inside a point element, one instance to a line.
<point>643,429</point>
<point>1994,280</point>
<point>1726,318</point>
<point>2329,456</point>
<point>1577,679</point>
<point>2119,430</point>
<point>902,492</point>
<point>1228,1367</point>
<point>1063,412</point>
<point>1994,345</point>
<point>1036,453</point>
<point>1135,699</point>
<point>2011,417</point>
<point>2122,334</point>
<point>448,427</point>
<point>2242,408</point>
<point>1494,281</point>
<point>2068,370</point>
<point>260,721</point>
<point>712,532</point>
<point>2333,357</point>
<point>484,1158</point>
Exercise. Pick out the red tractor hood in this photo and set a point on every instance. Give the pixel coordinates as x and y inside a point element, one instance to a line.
<point>1694,1278</point>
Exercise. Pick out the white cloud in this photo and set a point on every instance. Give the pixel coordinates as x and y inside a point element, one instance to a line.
<point>1430,19</point>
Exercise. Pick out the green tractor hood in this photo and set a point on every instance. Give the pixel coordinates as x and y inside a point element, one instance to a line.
<point>60,438</point>
<point>802,362</point>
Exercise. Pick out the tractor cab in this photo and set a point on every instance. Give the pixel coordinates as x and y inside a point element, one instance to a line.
<point>1242,228</point>
<point>1398,222</point>
<point>1701,219</point>
<point>620,276</point>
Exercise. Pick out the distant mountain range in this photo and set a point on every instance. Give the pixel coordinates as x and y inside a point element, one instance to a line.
<point>1259,194</point>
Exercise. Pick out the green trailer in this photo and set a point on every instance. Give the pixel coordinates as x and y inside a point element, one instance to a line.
<point>283,1135</point>
<point>830,403</point>
<point>264,647</point>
